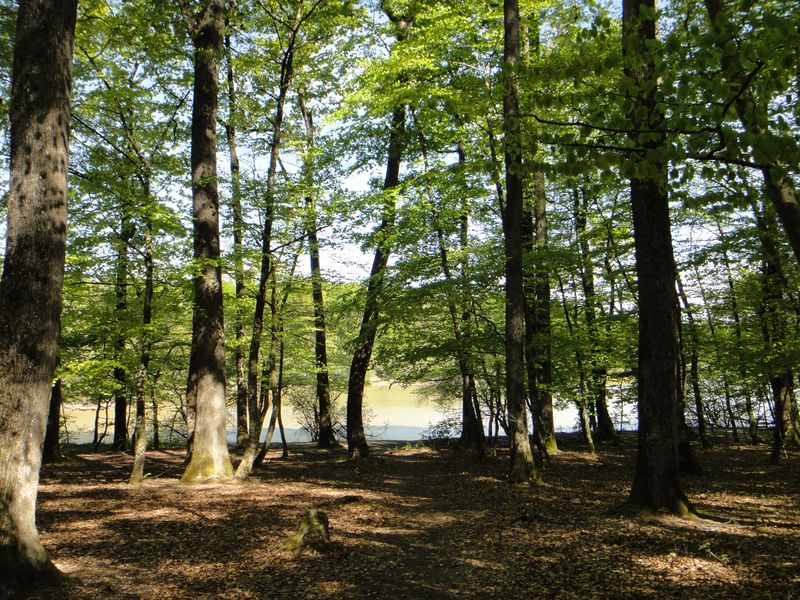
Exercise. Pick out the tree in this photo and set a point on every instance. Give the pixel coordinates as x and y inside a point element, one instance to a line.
<point>326,438</point>
<point>362,353</point>
<point>33,271</point>
<point>656,482</point>
<point>209,452</point>
<point>521,468</point>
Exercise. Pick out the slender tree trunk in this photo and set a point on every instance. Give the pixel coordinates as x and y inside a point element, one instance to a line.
<point>773,326</point>
<point>33,273</point>
<point>656,482</point>
<point>273,380</point>
<point>266,270</point>
<point>471,429</point>
<point>752,422</point>
<point>521,468</point>
<point>583,413</point>
<point>356,438</point>
<point>238,263</point>
<point>209,456</point>
<point>694,370</point>
<point>121,308</point>
<point>725,383</point>
<point>140,438</point>
<point>597,380</point>
<point>327,439</point>
<point>51,451</point>
<point>154,412</point>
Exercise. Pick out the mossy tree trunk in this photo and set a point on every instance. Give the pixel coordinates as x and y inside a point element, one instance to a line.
<point>33,273</point>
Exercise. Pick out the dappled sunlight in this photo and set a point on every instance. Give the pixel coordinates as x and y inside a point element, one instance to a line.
<point>419,523</point>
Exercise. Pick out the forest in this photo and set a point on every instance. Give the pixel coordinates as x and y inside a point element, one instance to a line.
<point>216,211</point>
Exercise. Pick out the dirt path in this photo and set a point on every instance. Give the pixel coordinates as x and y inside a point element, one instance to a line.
<point>417,523</point>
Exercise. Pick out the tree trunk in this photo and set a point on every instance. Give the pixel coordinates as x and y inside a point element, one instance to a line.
<point>238,263</point>
<point>656,483</point>
<point>326,439</point>
<point>33,273</point>
<point>521,468</point>
<point>120,442</point>
<point>471,430</point>
<point>583,413</point>
<point>51,451</point>
<point>356,438</point>
<point>725,383</point>
<point>538,335</point>
<point>140,438</point>
<point>596,383</point>
<point>209,457</point>
<point>694,370</point>
<point>752,422</point>
<point>273,380</point>
<point>256,419</point>
<point>773,327</point>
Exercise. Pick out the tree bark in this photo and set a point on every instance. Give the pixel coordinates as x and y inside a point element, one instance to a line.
<point>327,439</point>
<point>356,438</point>
<point>596,383</point>
<point>140,437</point>
<point>656,483</point>
<point>209,457</point>
<point>694,369</point>
<point>238,262</point>
<point>51,451</point>
<point>121,308</point>
<point>725,382</point>
<point>33,273</point>
<point>752,422</point>
<point>521,468</point>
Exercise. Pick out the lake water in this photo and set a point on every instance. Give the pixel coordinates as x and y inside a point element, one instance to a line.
<point>393,413</point>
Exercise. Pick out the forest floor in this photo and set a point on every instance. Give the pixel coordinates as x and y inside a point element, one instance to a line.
<point>414,522</point>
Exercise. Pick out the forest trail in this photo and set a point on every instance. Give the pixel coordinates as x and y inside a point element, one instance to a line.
<point>413,522</point>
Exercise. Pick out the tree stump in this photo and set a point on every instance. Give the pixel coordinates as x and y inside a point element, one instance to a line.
<point>312,533</point>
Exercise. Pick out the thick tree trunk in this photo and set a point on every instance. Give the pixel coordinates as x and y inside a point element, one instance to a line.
<point>209,457</point>
<point>33,273</point>
<point>238,262</point>
<point>51,451</point>
<point>356,438</point>
<point>656,483</point>
<point>327,439</point>
<point>521,468</point>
